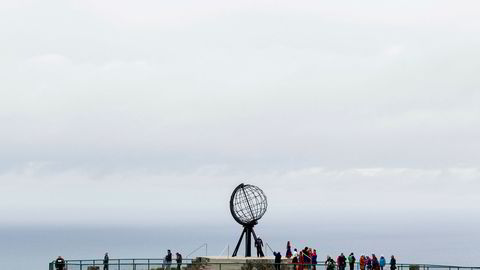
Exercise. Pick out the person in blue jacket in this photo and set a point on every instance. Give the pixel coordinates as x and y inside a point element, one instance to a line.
<point>382,262</point>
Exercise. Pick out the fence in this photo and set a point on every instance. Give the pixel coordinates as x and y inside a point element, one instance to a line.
<point>251,264</point>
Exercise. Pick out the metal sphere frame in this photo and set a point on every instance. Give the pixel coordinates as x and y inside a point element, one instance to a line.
<point>248,204</point>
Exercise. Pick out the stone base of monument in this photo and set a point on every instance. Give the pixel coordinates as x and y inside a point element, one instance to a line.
<point>238,263</point>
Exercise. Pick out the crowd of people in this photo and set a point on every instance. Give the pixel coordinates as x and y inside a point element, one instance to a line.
<point>307,259</point>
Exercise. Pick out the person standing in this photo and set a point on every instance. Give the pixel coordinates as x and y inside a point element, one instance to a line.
<point>278,260</point>
<point>369,263</point>
<point>382,262</point>
<point>179,260</point>
<point>314,259</point>
<point>295,259</point>
<point>375,264</point>
<point>168,259</point>
<point>59,263</point>
<point>393,263</point>
<point>351,261</point>
<point>105,261</point>
<point>259,246</point>
<point>301,260</point>
<point>289,250</point>
<point>330,263</point>
<point>341,261</point>
<point>307,258</point>
<point>362,262</point>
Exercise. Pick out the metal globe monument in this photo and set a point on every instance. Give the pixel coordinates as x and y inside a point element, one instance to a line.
<point>248,204</point>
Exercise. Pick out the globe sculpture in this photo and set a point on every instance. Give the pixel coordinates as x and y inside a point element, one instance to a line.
<point>248,204</point>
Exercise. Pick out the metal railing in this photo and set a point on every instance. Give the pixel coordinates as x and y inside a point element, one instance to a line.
<point>251,264</point>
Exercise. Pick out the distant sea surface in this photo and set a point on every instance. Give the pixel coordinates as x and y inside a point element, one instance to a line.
<point>32,247</point>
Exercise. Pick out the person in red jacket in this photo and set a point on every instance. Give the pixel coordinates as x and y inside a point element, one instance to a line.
<point>362,262</point>
<point>341,261</point>
<point>314,259</point>
<point>301,260</point>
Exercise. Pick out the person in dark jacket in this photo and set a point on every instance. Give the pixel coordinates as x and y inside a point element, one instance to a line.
<point>295,260</point>
<point>289,250</point>
<point>375,264</point>
<point>393,263</point>
<point>179,260</point>
<point>259,246</point>
<point>369,263</point>
<point>330,263</point>
<point>105,261</point>
<point>307,259</point>
<point>59,263</point>
<point>278,260</point>
<point>168,259</point>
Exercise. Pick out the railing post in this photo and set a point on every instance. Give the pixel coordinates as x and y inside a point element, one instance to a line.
<point>148,263</point>
<point>133,264</point>
<point>118,264</point>
<point>80,264</point>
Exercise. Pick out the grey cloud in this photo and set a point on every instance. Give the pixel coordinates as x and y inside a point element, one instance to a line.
<point>332,108</point>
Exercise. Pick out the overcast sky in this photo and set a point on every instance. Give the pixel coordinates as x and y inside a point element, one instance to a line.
<point>155,108</point>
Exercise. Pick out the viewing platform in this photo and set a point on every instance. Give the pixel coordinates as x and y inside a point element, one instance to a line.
<point>226,263</point>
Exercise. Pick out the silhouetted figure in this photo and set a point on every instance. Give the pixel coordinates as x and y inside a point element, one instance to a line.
<point>259,246</point>
<point>295,259</point>
<point>59,263</point>
<point>278,260</point>
<point>168,259</point>
<point>105,261</point>
<point>289,250</point>
<point>375,264</point>
<point>393,263</point>
<point>179,260</point>
<point>330,263</point>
